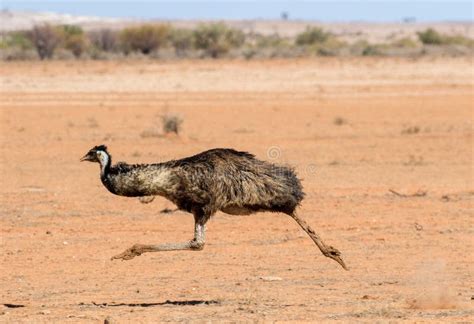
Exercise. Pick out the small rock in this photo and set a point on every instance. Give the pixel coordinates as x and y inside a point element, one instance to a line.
<point>108,320</point>
<point>368,297</point>
<point>271,278</point>
<point>48,232</point>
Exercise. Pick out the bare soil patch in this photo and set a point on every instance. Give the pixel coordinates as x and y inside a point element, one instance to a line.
<point>409,254</point>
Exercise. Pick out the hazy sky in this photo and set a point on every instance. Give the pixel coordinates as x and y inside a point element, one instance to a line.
<point>310,10</point>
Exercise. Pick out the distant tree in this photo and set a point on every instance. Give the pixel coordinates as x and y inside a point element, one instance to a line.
<point>145,38</point>
<point>45,39</point>
<point>430,37</point>
<point>312,35</point>
<point>217,39</point>
<point>182,40</point>
<point>74,39</point>
<point>104,39</point>
<point>284,15</point>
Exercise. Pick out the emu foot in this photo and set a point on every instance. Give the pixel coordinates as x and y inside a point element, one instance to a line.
<point>335,254</point>
<point>132,252</point>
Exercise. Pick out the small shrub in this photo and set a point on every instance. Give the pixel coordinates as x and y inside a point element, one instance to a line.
<point>171,124</point>
<point>331,47</point>
<point>430,37</point>
<point>339,121</point>
<point>312,35</point>
<point>358,47</point>
<point>411,130</point>
<point>405,42</point>
<point>372,50</point>
<point>77,44</point>
<point>15,53</point>
<point>17,39</point>
<point>459,40</point>
<point>145,38</point>
<point>45,39</point>
<point>182,40</point>
<point>270,41</point>
<point>70,30</point>
<point>217,39</point>
<point>104,40</point>
<point>74,39</point>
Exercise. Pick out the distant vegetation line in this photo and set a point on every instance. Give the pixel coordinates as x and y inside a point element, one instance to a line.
<point>211,40</point>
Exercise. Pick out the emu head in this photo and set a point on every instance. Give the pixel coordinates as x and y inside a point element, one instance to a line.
<point>97,154</point>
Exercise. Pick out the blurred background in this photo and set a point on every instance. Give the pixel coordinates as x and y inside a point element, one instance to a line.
<point>245,29</point>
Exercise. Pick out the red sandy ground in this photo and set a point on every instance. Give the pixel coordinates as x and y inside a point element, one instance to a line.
<point>354,129</point>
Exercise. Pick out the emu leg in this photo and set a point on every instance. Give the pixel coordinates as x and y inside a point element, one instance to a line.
<point>195,244</point>
<point>326,250</point>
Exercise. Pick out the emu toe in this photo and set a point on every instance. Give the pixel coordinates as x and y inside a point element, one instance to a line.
<point>130,253</point>
<point>335,254</point>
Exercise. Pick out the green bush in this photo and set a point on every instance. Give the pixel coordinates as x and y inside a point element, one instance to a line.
<point>372,50</point>
<point>182,40</point>
<point>71,30</point>
<point>430,37</point>
<point>17,39</point>
<point>144,39</point>
<point>217,39</point>
<point>73,39</point>
<point>331,47</point>
<point>271,41</point>
<point>405,42</point>
<point>45,39</point>
<point>312,35</point>
<point>77,44</point>
<point>459,40</point>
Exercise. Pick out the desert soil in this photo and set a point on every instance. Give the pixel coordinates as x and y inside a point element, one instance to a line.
<point>354,129</point>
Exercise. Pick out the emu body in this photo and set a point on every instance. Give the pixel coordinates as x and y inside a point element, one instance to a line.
<point>224,180</point>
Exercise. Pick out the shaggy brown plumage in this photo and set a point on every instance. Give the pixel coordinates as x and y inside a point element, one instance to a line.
<point>219,179</point>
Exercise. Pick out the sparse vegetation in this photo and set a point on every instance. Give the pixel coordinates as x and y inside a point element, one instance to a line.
<point>182,40</point>
<point>104,40</point>
<point>405,42</point>
<point>311,36</point>
<point>372,50</point>
<point>45,39</point>
<point>339,121</point>
<point>144,39</point>
<point>215,40</point>
<point>171,124</point>
<point>411,130</point>
<point>74,39</point>
<point>430,37</point>
<point>17,39</point>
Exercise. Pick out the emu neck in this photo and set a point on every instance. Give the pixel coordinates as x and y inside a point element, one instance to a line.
<point>105,161</point>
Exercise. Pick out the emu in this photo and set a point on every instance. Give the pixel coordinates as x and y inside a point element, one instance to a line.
<point>224,180</point>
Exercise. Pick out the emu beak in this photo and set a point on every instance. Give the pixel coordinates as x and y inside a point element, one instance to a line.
<point>84,158</point>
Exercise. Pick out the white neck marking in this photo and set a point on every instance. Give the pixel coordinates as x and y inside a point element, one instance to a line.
<point>103,160</point>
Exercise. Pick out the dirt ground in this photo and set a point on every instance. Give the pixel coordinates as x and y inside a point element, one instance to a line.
<point>353,128</point>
